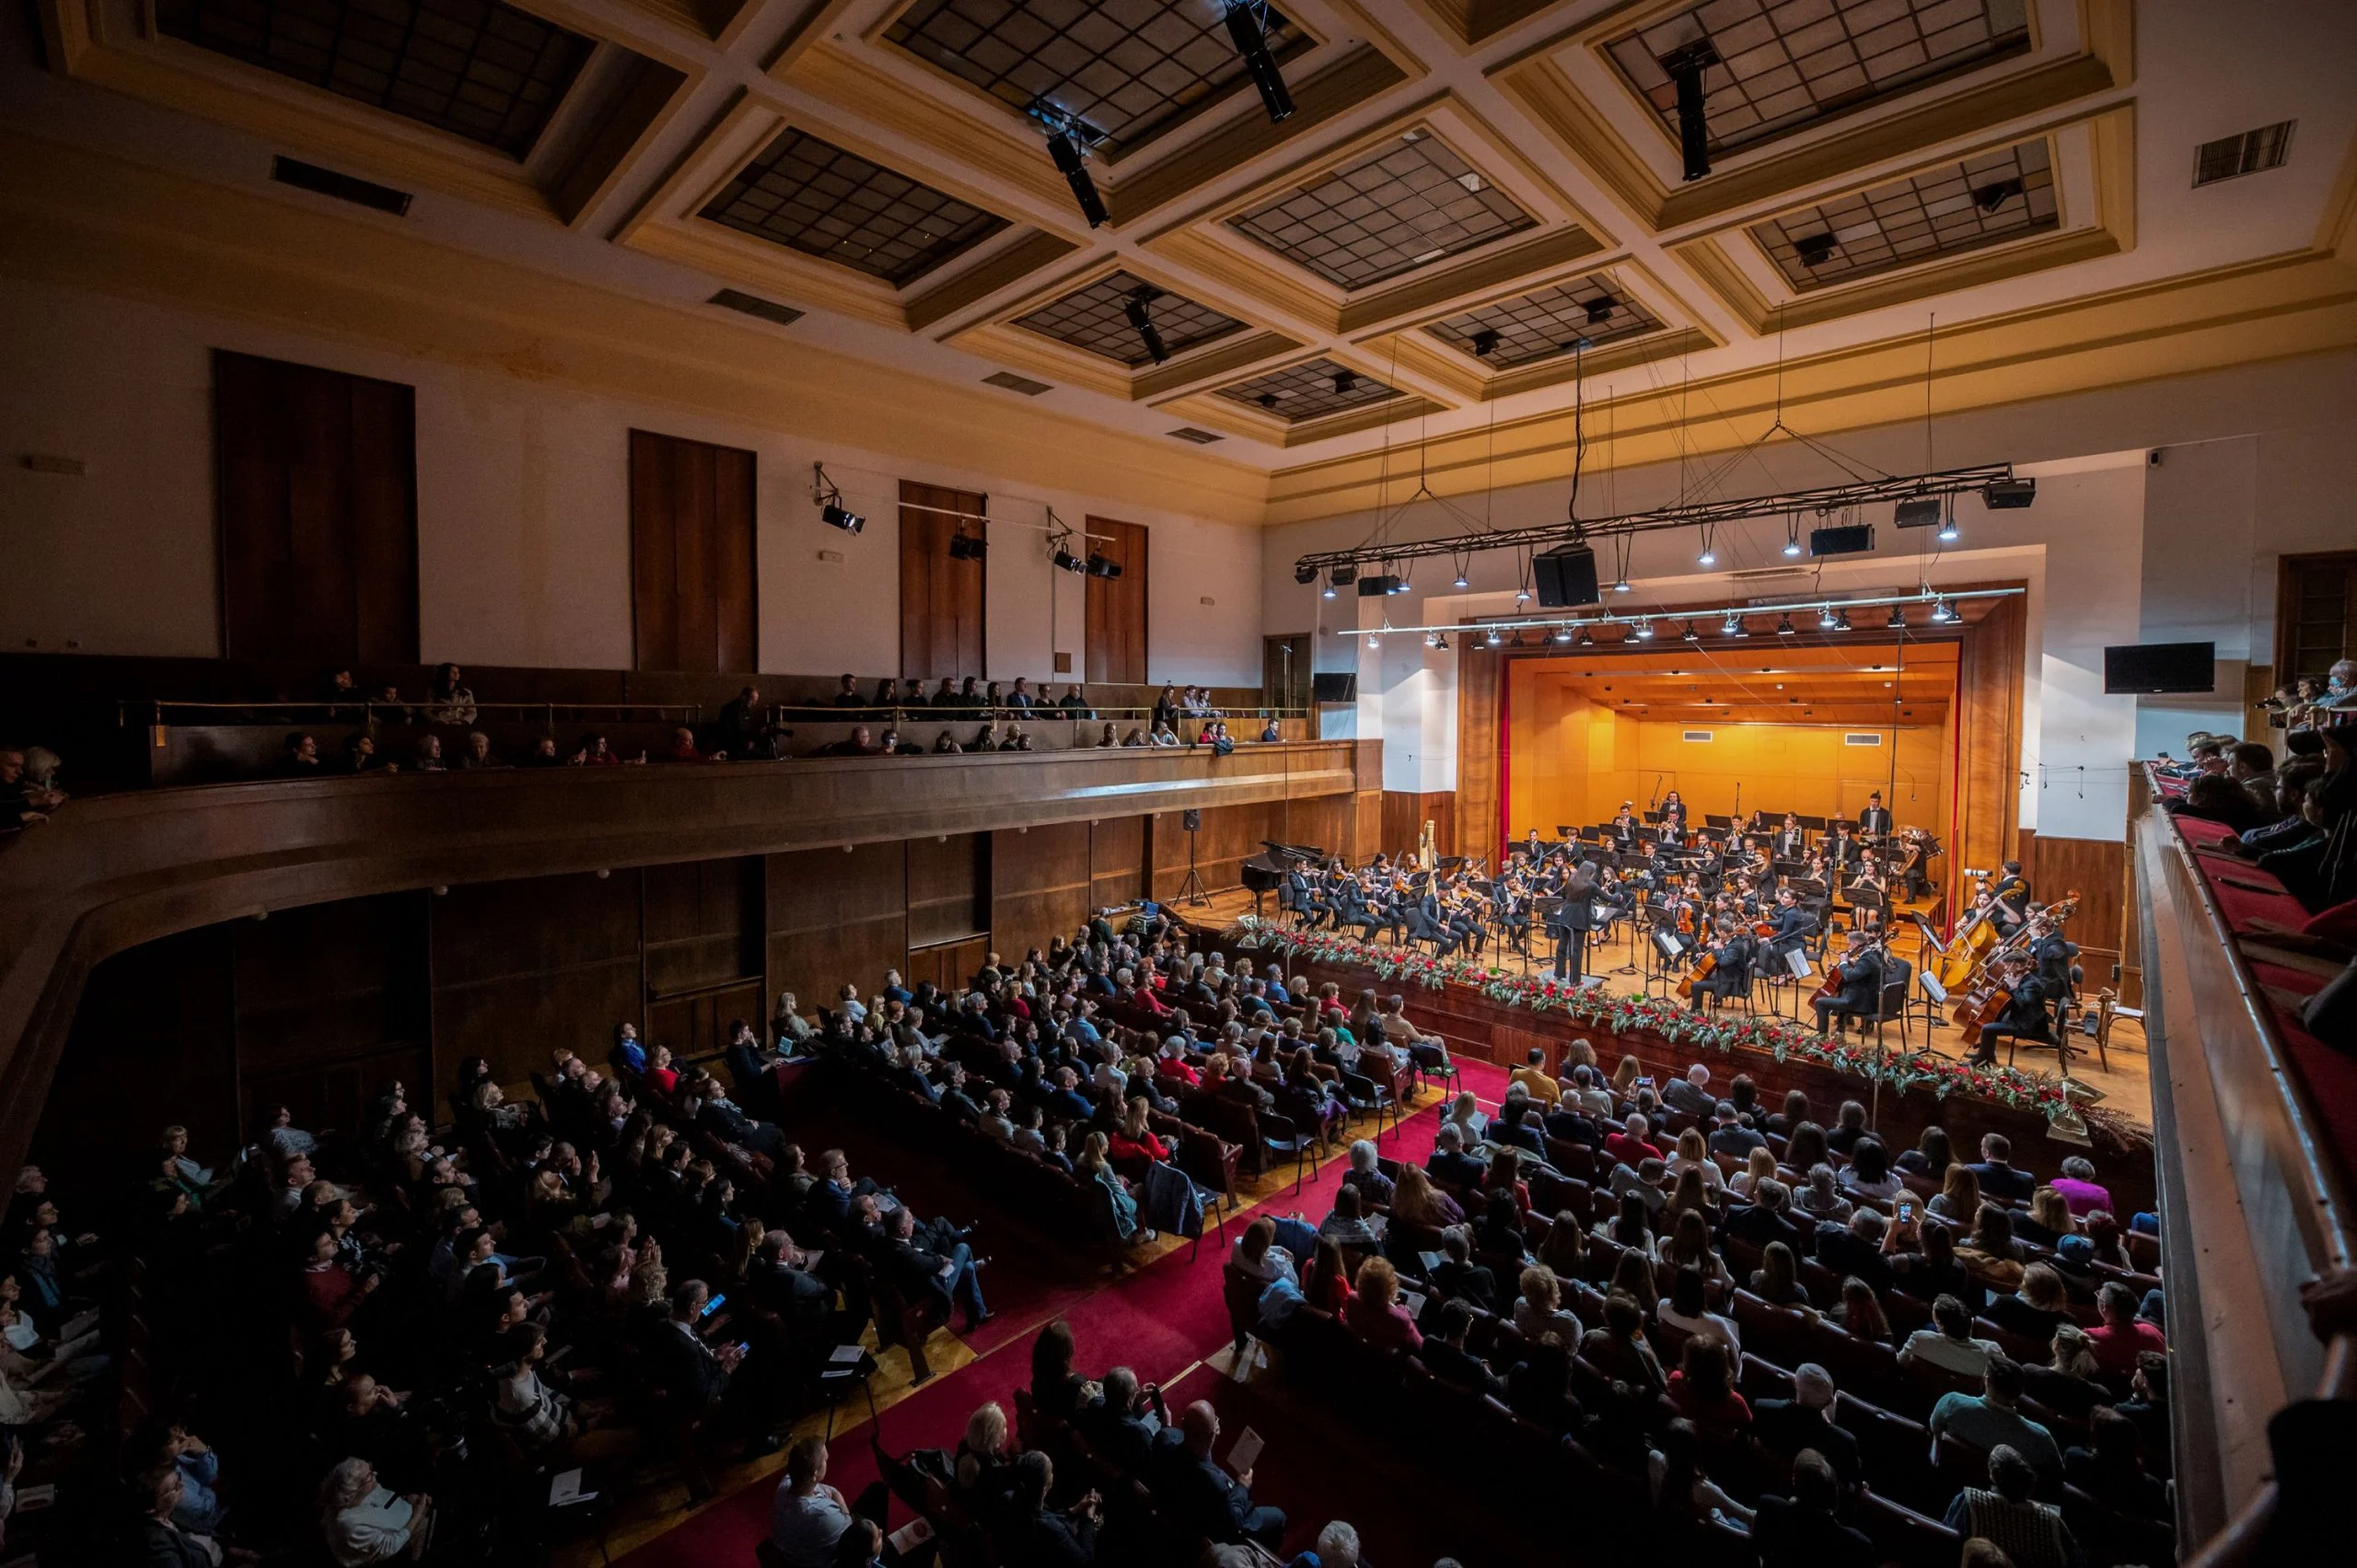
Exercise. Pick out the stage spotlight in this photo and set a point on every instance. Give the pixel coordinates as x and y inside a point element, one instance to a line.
<point>1792,538</point>
<point>1373,639</point>
<point>1949,534</point>
<point>1814,250</point>
<point>1988,198</point>
<point>1730,627</point>
<point>1305,575</point>
<point>1897,622</point>
<point>1644,632</point>
<point>1825,618</point>
<point>1784,627</point>
<point>1342,576</point>
<point>1689,634</point>
<point>1584,639</point>
<point>1328,592</point>
<point>1485,343</point>
<point>1515,641</point>
<point>836,515</point>
<point>1600,309</point>
<point>1492,639</point>
<point>1068,143</point>
<point>1920,512</point>
<point>1522,596</point>
<point>1141,322</point>
<point>1432,639</point>
<point>1067,560</point>
<point>1099,567</point>
<point>1620,585</point>
<point>1460,581</point>
<point>964,548</point>
<point>1685,67</point>
<point>1343,381</point>
<point>2008,495</point>
<point>1378,586</point>
<point>1709,557</point>
<point>1248,29</point>
<point>1841,621</point>
<point>1562,633</point>
<point>1940,613</point>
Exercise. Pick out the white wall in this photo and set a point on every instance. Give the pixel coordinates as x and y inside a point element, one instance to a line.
<point>523,516</point>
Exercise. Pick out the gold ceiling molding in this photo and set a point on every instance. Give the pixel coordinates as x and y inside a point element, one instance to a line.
<point>1468,23</point>
<point>1001,268</point>
<point>2112,146</point>
<point>92,221</point>
<point>1231,418</point>
<point>1509,264</point>
<point>1538,85</point>
<point>2280,308</point>
<point>1000,337</point>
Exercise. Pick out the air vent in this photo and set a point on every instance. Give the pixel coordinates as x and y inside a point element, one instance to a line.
<point>1856,739</point>
<point>1766,574</point>
<point>1199,437</point>
<point>2230,156</point>
<point>1696,735</point>
<point>342,187</point>
<point>1014,383</point>
<point>753,304</point>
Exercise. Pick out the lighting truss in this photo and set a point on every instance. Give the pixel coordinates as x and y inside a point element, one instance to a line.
<point>1823,500</point>
<point>1948,599</point>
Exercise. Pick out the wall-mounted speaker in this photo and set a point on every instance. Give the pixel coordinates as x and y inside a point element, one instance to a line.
<point>1190,820</point>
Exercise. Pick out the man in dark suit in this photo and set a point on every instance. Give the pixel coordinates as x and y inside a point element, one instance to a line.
<point>1800,1532</point>
<point>1449,1162</point>
<point>1119,1427</point>
<point>1873,820</point>
<point>1458,1278</point>
<point>692,1372</point>
<point>1768,1219</point>
<point>1999,1180</point>
<point>1567,1121</point>
<point>1573,918</point>
<point>778,1280</point>
<point>1854,1247</point>
<point>1445,1357</point>
<point>923,1266</point>
<point>1204,1499</point>
<point>1805,1421</point>
<point>2025,1019</point>
<point>1861,991</point>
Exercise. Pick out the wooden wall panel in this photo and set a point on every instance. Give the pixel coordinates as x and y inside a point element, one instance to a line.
<point>941,598</point>
<point>1405,814</point>
<point>705,948</point>
<point>836,917</point>
<point>153,1043</point>
<point>692,530</point>
<point>1117,606</point>
<point>1117,862</point>
<point>1481,722</point>
<point>947,965</point>
<point>521,967</point>
<point>1040,885</point>
<point>1986,796</point>
<point>2098,868</point>
<point>1229,834</point>
<point>949,889</point>
<point>316,490</point>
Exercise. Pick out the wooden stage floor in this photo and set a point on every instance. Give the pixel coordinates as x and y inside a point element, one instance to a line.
<point>2124,1079</point>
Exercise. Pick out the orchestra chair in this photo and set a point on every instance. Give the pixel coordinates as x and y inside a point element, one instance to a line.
<point>1897,974</point>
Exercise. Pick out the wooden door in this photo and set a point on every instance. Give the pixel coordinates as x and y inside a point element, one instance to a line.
<point>691,527</point>
<point>1117,606</point>
<point>942,596</point>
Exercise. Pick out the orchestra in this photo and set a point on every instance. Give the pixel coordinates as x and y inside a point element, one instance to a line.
<point>1718,907</point>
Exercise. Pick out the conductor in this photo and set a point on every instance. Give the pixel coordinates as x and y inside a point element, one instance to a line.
<point>1571,922</point>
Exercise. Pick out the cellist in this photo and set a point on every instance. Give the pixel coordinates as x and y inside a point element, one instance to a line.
<point>2024,1016</point>
<point>1855,985</point>
<point>1730,965</point>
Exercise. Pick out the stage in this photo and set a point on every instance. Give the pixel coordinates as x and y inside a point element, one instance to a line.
<point>2125,1083</point>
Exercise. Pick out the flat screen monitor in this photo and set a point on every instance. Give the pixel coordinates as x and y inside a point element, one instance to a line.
<point>1334,687</point>
<point>2142,668</point>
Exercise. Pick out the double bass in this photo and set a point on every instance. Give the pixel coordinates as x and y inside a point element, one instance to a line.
<point>1962,957</point>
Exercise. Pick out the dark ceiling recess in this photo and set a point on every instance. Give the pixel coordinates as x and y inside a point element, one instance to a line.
<point>342,187</point>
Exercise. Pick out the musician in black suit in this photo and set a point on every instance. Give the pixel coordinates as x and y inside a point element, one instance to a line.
<point>1731,968</point>
<point>1573,917</point>
<point>1841,848</point>
<point>2024,1018</point>
<point>1861,989</point>
<point>1875,820</point>
<point>2011,895</point>
<point>1794,927</point>
<point>1623,826</point>
<point>1425,922</point>
<point>1294,894</point>
<point>1792,839</point>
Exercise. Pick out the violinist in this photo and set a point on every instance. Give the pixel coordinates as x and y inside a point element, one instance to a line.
<point>2024,1018</point>
<point>1791,840</point>
<point>1463,924</point>
<point>1731,957</point>
<point>1749,858</point>
<point>1853,989</point>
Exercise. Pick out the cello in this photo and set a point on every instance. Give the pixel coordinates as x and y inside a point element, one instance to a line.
<point>1702,971</point>
<point>1986,993</point>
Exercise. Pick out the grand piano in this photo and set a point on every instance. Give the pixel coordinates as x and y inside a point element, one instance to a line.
<point>1266,872</point>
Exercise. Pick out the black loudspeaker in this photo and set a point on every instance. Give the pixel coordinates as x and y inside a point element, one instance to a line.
<point>1853,541</point>
<point>1190,820</point>
<point>1565,576</point>
<point>1334,686</point>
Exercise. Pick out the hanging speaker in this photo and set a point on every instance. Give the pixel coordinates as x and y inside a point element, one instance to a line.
<point>1190,820</point>
<point>1565,576</point>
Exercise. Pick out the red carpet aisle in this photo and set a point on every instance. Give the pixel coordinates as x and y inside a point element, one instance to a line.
<point>1160,1320</point>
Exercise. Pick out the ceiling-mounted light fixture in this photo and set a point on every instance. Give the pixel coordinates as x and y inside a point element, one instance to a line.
<point>1814,250</point>
<point>1247,28</point>
<point>1600,309</point>
<point>961,548</point>
<point>1485,342</point>
<point>1897,622</point>
<point>1940,613</point>
<point>1689,634</point>
<point>1784,626</point>
<point>1343,381</point>
<point>1101,565</point>
<point>1732,627</point>
<point>1585,640</point>
<point>1949,533</point>
<point>1326,592</point>
<point>1460,580</point>
<point>1709,557</point>
<point>1141,321</point>
<point>1644,632</point>
<point>1562,633</point>
<point>1069,139</point>
<point>1841,621</point>
<point>1065,561</point>
<point>1492,639</point>
<point>1792,535</point>
<point>831,510</point>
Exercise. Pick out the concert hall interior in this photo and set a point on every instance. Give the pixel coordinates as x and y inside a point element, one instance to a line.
<point>1268,784</point>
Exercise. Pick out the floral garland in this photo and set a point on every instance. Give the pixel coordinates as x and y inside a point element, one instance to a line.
<point>1900,1071</point>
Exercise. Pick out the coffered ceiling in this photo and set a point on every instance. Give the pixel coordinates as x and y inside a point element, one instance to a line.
<point>1473,205</point>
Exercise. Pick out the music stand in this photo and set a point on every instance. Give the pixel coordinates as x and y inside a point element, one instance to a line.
<point>1814,824</point>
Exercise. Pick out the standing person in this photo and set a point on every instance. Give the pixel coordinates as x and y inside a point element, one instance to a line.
<point>1571,922</point>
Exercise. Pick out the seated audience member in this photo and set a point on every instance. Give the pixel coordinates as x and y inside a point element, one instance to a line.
<point>1680,1488</point>
<point>1367,1176</point>
<point>1630,1144</point>
<point>1804,1423</point>
<point>1619,1349</point>
<point>2124,1336</point>
<point>1703,1388</point>
<point>1445,1357</point>
<point>1201,1496</point>
<point>1374,1313</point>
<point>1948,1342</point>
<point>1049,1537</point>
<point>364,1522</point>
<point>1802,1531</point>
<point>1457,1277</point>
<point>1996,1174</point>
<point>1535,1079</point>
<point>1686,1307</point>
<point>2112,1472</point>
<point>1988,1419</point>
<point>807,1518</point>
<point>2032,1533</point>
<point>2037,1309</point>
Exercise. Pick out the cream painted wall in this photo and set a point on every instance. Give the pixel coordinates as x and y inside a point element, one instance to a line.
<point>523,516</point>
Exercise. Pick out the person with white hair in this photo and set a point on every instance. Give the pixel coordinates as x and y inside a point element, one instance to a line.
<point>1806,1420</point>
<point>1338,1546</point>
<point>1691,1093</point>
<point>364,1522</point>
<point>1366,1175</point>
